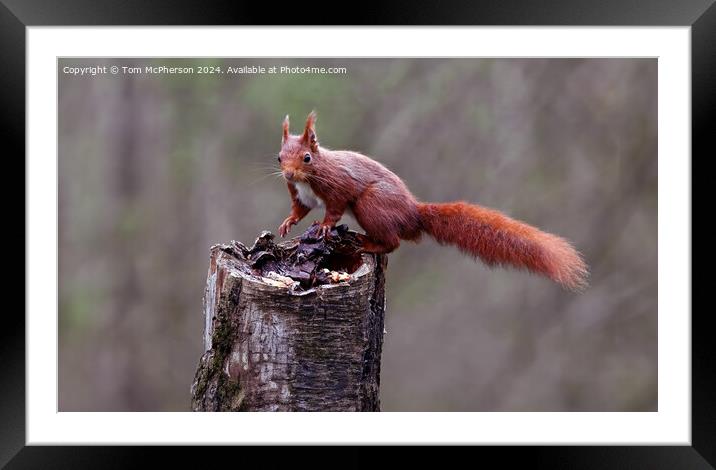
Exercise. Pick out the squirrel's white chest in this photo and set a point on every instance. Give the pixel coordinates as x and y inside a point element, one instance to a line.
<point>307,197</point>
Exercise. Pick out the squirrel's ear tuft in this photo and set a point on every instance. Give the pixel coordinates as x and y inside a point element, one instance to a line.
<point>309,134</point>
<point>285,129</point>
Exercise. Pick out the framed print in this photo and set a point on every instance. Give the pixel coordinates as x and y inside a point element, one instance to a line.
<point>168,153</point>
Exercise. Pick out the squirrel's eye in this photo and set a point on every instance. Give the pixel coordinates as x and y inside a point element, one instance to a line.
<point>279,158</point>
<point>307,158</point>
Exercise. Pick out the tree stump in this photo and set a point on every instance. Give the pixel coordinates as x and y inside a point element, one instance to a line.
<point>295,326</point>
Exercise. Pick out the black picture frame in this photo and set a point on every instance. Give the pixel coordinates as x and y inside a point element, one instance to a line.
<point>16,15</point>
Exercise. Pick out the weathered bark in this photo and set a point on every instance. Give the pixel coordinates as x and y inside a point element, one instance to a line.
<point>272,344</point>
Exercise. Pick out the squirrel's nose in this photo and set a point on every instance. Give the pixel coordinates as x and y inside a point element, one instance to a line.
<point>288,174</point>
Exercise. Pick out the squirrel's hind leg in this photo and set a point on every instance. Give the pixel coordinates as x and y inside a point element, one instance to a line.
<point>370,245</point>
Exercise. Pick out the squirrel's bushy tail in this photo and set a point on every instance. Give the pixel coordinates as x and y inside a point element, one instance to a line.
<point>499,240</point>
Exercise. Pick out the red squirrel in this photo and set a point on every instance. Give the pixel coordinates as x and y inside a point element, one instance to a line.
<point>343,180</point>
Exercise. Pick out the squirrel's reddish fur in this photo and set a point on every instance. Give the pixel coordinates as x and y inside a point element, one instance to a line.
<point>388,212</point>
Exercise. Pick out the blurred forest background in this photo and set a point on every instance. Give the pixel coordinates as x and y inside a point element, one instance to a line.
<point>154,169</point>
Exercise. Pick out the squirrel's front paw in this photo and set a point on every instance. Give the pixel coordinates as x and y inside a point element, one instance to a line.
<point>285,227</point>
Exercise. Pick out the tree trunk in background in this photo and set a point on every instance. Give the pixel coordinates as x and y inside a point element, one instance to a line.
<point>269,348</point>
